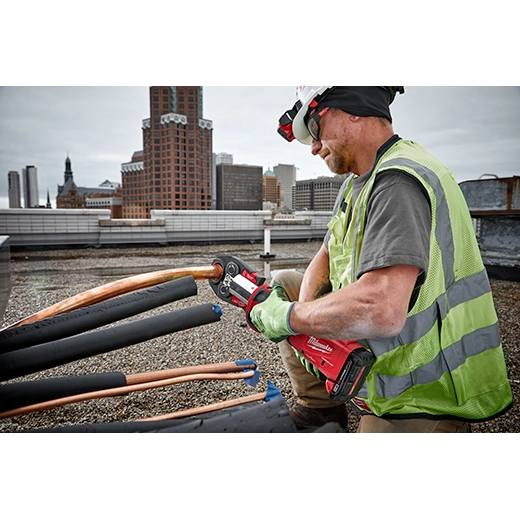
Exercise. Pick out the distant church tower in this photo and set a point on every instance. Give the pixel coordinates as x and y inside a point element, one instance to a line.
<point>68,196</point>
<point>68,170</point>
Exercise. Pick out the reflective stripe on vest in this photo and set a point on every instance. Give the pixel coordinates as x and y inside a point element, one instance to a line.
<point>446,361</point>
<point>444,233</point>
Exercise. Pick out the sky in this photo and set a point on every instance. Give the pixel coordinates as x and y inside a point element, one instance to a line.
<point>473,130</point>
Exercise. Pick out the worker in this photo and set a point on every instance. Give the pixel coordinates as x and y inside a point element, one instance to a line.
<point>399,271</point>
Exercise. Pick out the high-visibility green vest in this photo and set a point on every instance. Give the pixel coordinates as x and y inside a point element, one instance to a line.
<point>448,360</point>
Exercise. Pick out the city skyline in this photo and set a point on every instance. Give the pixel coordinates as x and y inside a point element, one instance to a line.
<point>474,130</point>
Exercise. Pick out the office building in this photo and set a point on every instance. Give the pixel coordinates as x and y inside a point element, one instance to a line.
<point>286,174</point>
<point>15,195</point>
<point>218,158</point>
<point>134,185</point>
<point>110,184</point>
<point>317,194</point>
<point>239,187</point>
<point>271,188</point>
<point>223,158</point>
<point>30,187</point>
<point>177,156</point>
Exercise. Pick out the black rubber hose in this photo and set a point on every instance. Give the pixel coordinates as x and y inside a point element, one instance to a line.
<point>270,417</point>
<point>97,315</point>
<point>41,357</point>
<point>16,395</point>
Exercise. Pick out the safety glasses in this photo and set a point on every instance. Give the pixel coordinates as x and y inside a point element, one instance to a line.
<point>313,123</point>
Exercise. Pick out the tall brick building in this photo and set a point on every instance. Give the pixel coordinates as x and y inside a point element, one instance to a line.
<point>271,188</point>
<point>175,170</point>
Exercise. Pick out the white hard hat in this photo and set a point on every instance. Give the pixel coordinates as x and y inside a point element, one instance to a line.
<point>292,124</point>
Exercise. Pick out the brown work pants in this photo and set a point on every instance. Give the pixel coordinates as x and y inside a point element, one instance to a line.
<point>311,392</point>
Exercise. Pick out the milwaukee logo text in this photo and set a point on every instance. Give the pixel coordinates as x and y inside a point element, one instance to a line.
<point>317,345</point>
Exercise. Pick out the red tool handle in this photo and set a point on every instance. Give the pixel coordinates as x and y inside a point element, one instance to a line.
<point>258,296</point>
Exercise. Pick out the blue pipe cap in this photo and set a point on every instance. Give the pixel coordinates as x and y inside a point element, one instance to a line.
<point>272,392</point>
<point>253,380</point>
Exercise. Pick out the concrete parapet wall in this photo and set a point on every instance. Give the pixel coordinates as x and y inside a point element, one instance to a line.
<point>198,220</point>
<point>93,227</point>
<point>131,222</point>
<point>52,227</point>
<point>43,221</point>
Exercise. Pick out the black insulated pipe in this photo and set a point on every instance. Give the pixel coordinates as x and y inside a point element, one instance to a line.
<point>97,315</point>
<point>16,395</point>
<point>269,417</point>
<point>49,355</point>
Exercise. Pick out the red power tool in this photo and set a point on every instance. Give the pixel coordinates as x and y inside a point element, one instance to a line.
<point>345,364</point>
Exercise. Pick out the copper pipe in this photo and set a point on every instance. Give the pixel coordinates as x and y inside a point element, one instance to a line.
<point>220,368</point>
<point>119,287</point>
<point>122,390</point>
<point>208,408</point>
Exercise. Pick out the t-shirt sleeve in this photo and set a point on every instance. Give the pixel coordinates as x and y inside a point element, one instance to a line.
<point>398,225</point>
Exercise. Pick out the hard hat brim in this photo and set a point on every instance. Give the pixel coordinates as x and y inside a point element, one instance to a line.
<point>300,131</point>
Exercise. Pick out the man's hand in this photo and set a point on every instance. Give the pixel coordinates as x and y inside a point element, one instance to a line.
<point>271,317</point>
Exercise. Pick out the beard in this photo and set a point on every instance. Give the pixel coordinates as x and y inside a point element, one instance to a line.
<point>337,164</point>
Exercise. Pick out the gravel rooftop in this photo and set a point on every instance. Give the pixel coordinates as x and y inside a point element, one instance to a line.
<point>43,278</point>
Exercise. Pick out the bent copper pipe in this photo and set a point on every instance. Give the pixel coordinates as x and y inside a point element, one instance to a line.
<point>123,390</point>
<point>218,368</point>
<point>208,408</point>
<point>123,286</point>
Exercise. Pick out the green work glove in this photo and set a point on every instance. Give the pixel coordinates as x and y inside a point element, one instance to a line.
<point>271,317</point>
<point>309,366</point>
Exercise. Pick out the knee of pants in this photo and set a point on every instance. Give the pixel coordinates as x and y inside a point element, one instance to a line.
<point>291,281</point>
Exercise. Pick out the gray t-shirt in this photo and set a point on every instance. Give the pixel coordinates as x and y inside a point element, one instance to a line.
<point>398,224</point>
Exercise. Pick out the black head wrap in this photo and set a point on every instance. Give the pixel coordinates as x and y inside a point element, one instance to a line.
<point>359,101</point>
